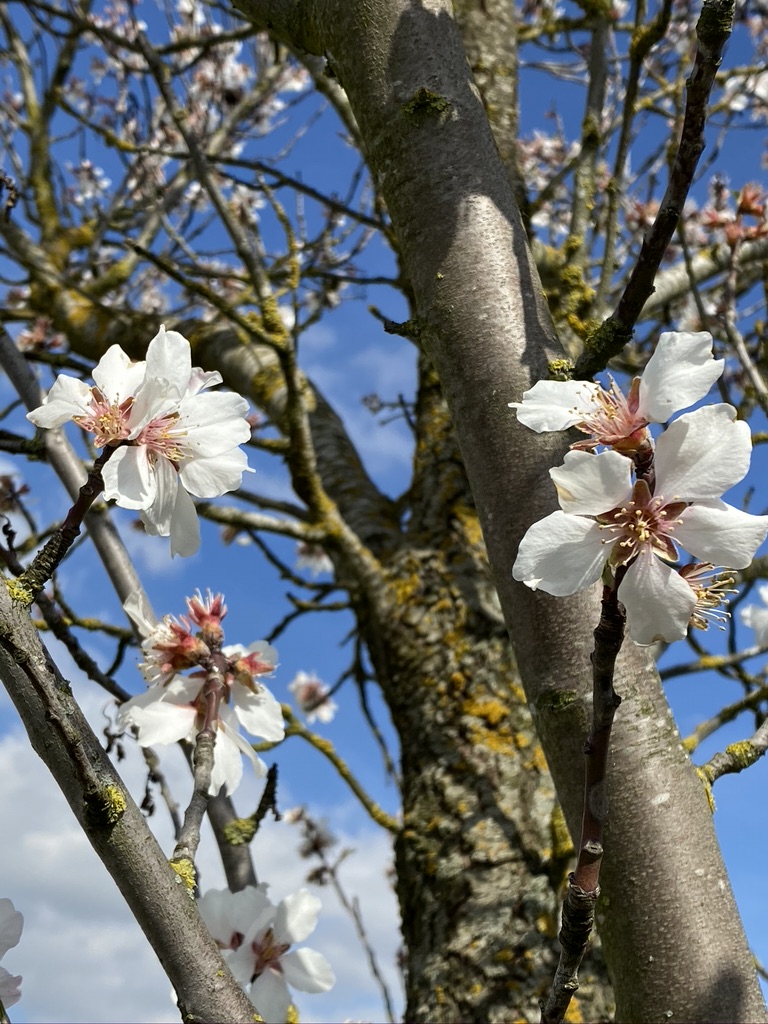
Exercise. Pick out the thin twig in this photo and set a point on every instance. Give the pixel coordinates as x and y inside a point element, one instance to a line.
<point>713,662</point>
<point>737,756</point>
<point>713,30</point>
<point>183,859</point>
<point>46,561</point>
<point>295,728</point>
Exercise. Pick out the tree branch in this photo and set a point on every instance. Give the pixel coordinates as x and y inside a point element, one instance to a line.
<point>115,827</point>
<point>712,31</point>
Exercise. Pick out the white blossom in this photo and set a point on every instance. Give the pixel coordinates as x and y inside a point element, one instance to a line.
<point>312,697</point>
<point>679,373</point>
<point>174,707</point>
<point>170,440</point>
<point>755,616</point>
<point>312,557</point>
<point>605,518</point>
<point>256,938</point>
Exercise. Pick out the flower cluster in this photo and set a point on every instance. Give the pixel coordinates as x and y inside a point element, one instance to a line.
<point>176,707</point>
<point>256,936</point>
<point>11,923</point>
<point>631,506</point>
<point>169,440</point>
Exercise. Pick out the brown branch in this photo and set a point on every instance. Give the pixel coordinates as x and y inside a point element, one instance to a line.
<point>49,558</point>
<point>241,831</point>
<point>183,859</point>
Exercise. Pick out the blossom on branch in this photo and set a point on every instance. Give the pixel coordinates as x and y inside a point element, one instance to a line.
<point>679,373</point>
<point>609,519</point>
<point>170,440</point>
<point>11,924</point>
<point>312,558</point>
<point>756,616</point>
<point>177,707</point>
<point>312,697</point>
<point>255,937</point>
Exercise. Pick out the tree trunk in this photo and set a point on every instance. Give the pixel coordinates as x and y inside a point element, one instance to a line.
<point>673,937</point>
<point>484,848</point>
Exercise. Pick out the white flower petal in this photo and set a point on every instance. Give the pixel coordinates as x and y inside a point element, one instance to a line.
<point>269,994</point>
<point>259,713</point>
<point>242,963</point>
<point>716,532</point>
<point>226,912</point>
<point>155,399</point>
<point>658,601</point>
<point>561,554</point>
<point>183,689</point>
<point>157,720</point>
<point>160,511</point>
<point>117,376</point>
<point>235,745</point>
<point>11,924</point>
<point>702,454</point>
<point>213,424</point>
<point>555,404</point>
<point>185,526</point>
<point>227,763</point>
<point>266,652</point>
<point>307,970</point>
<point>169,358</point>
<point>208,478</point>
<point>10,992</point>
<point>67,398</point>
<point>139,611</point>
<point>129,479</point>
<point>679,373</point>
<point>297,917</point>
<point>201,379</point>
<point>592,484</point>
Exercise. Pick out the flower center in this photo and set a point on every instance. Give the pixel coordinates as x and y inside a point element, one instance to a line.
<point>267,953</point>
<point>645,521</point>
<point>107,420</point>
<point>613,417</point>
<point>162,437</point>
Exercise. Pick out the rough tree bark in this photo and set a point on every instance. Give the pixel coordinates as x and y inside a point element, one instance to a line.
<point>673,938</point>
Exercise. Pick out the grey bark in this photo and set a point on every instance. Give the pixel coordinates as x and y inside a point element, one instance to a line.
<point>673,937</point>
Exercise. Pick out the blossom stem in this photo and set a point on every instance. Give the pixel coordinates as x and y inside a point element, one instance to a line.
<point>583,883</point>
<point>202,762</point>
<point>644,464</point>
<point>50,557</point>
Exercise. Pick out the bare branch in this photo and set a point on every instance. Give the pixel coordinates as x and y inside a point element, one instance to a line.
<point>713,31</point>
